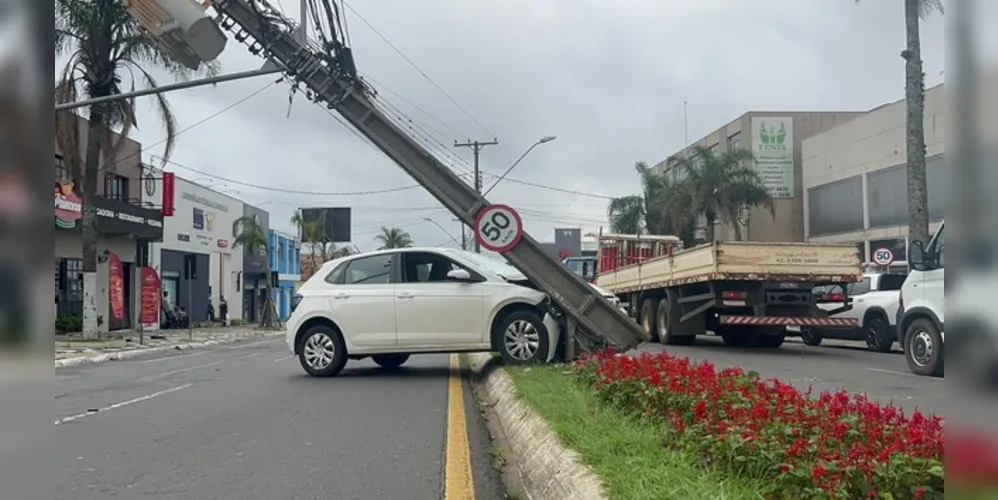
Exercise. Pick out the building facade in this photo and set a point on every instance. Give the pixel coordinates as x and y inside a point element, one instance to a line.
<point>775,138</point>
<point>125,230</point>
<point>200,231</point>
<point>285,261</point>
<point>855,177</point>
<point>255,268</point>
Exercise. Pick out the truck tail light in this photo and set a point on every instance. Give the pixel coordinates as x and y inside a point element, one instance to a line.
<point>734,295</point>
<point>836,297</point>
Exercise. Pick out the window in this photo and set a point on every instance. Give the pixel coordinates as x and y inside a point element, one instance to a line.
<point>61,172</point>
<point>116,187</point>
<point>70,280</point>
<point>375,270</point>
<point>735,141</point>
<point>426,267</point>
<point>335,276</point>
<point>859,288</point>
<point>716,148</point>
<point>891,282</point>
<point>937,254</point>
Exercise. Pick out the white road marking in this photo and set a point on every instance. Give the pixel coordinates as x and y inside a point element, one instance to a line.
<point>906,374</point>
<point>121,404</point>
<point>285,358</point>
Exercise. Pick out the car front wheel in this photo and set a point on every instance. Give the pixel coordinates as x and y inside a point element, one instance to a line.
<point>923,349</point>
<point>878,335</point>
<point>322,352</point>
<point>522,338</point>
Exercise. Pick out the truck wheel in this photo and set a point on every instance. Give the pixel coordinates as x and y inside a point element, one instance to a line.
<point>809,337</point>
<point>523,338</point>
<point>648,310</point>
<point>731,337</point>
<point>923,348</point>
<point>771,341</point>
<point>878,334</point>
<point>390,361</point>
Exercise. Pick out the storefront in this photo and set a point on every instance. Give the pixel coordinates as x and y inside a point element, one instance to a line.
<point>200,232</point>
<point>124,233</point>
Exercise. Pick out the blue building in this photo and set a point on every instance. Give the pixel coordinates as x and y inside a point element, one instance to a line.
<point>285,260</point>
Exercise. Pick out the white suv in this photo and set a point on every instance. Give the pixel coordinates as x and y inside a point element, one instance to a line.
<point>922,307</point>
<point>390,304</point>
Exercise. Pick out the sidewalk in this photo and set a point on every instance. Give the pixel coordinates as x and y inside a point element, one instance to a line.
<point>70,350</point>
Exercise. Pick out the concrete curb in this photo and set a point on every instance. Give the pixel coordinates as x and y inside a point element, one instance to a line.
<point>138,353</point>
<point>548,470</point>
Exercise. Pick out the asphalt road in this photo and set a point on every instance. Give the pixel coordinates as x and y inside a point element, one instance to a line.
<point>243,422</point>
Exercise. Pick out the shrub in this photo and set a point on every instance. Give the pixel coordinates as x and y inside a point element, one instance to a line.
<point>835,445</point>
<point>68,324</point>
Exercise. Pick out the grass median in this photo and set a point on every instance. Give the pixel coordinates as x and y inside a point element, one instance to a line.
<point>627,454</point>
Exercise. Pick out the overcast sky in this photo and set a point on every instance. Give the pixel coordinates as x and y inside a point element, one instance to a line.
<point>609,82</point>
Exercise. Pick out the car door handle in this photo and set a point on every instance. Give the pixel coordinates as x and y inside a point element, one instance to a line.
<point>341,296</point>
<point>405,295</point>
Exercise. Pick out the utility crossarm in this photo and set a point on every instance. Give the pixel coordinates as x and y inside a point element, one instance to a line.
<point>332,82</point>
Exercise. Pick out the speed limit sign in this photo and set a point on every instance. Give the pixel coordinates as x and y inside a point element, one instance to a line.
<point>883,257</point>
<point>498,228</point>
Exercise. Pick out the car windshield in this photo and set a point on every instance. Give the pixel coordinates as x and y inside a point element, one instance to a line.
<point>493,263</point>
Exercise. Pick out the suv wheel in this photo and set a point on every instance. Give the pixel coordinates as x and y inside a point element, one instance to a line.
<point>322,352</point>
<point>878,334</point>
<point>923,348</point>
<point>522,338</point>
<point>809,337</point>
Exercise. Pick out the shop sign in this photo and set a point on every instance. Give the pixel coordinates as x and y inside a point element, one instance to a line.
<point>68,206</point>
<point>223,243</point>
<point>116,278</point>
<point>150,296</point>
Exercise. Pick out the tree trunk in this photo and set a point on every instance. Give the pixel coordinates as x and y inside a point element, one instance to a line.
<point>711,217</point>
<point>93,323</point>
<point>736,227</point>
<point>918,205</point>
<point>267,315</point>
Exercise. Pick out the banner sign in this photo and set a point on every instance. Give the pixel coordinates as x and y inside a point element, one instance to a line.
<point>150,296</point>
<point>169,186</point>
<point>116,277</point>
<point>773,146</point>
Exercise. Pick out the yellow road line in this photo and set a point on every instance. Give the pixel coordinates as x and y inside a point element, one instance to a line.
<point>458,482</point>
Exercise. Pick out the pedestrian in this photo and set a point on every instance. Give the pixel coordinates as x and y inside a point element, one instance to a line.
<point>211,311</point>
<point>223,310</point>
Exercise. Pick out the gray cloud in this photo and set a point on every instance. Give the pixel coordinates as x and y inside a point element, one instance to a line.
<point>608,81</point>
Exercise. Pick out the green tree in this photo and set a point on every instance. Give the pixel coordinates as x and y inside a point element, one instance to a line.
<point>663,208</point>
<point>247,233</point>
<point>310,233</point>
<point>914,96</point>
<point>393,238</point>
<point>721,186</point>
<point>106,47</point>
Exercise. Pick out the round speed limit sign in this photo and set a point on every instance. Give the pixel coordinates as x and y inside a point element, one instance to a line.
<point>883,257</point>
<point>498,228</point>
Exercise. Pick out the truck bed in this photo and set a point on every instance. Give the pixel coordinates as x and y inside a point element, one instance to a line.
<point>739,260</point>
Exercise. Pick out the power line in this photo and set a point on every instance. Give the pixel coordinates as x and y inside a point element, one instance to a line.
<point>420,71</point>
<point>289,191</point>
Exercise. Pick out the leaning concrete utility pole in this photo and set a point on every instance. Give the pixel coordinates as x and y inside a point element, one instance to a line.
<point>476,148</point>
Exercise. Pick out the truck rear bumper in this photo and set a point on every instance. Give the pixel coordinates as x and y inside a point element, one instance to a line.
<point>789,321</point>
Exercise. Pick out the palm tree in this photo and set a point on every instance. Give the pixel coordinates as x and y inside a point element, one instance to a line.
<point>914,95</point>
<point>664,208</point>
<point>393,238</point>
<point>722,185</point>
<point>310,233</point>
<point>247,233</point>
<point>105,44</point>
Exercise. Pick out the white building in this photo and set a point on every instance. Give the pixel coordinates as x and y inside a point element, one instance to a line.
<point>202,227</point>
<point>855,177</point>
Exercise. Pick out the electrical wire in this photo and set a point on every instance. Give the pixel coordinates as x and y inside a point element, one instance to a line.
<point>420,71</point>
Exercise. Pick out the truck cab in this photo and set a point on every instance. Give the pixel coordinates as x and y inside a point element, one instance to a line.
<point>922,307</point>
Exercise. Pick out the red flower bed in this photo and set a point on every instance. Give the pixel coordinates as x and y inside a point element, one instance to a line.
<point>833,446</point>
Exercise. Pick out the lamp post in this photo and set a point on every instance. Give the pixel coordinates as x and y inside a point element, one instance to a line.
<point>545,139</point>
<point>435,223</point>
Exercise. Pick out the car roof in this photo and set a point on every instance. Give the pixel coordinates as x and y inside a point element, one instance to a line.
<point>337,261</point>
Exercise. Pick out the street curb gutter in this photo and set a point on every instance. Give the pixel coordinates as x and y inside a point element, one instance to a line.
<point>548,470</point>
<point>139,353</point>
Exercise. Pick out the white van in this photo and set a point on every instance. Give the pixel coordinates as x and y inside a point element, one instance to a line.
<point>921,307</point>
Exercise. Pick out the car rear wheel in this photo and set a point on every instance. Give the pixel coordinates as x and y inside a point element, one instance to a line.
<point>390,361</point>
<point>809,337</point>
<point>322,352</point>
<point>523,338</point>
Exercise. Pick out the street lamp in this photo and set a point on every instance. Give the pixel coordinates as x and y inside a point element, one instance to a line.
<point>545,139</point>
<point>435,223</point>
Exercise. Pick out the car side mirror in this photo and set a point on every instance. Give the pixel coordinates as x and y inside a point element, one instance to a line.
<point>459,275</point>
<point>916,255</point>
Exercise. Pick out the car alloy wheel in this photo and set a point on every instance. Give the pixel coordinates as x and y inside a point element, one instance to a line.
<point>521,340</point>
<point>319,351</point>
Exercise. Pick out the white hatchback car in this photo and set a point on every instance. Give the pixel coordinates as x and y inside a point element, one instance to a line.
<point>390,304</point>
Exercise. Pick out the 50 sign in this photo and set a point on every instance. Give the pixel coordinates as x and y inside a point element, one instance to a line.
<point>498,228</point>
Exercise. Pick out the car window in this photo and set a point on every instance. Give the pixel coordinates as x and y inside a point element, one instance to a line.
<point>374,270</point>
<point>418,267</point>
<point>891,282</point>
<point>938,250</point>
<point>336,275</point>
<point>859,288</point>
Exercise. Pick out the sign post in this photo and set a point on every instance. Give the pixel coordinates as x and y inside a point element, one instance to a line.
<point>883,257</point>
<point>498,228</point>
